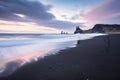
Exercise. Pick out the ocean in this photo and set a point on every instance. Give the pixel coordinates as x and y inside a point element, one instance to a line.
<point>17,50</point>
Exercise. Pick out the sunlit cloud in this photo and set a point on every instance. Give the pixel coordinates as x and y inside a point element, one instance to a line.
<point>36,12</point>
<point>26,27</point>
<point>20,15</point>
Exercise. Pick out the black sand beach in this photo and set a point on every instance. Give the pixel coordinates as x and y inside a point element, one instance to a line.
<point>93,59</point>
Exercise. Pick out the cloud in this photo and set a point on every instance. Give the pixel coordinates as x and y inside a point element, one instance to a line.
<point>66,25</point>
<point>107,12</point>
<point>33,11</point>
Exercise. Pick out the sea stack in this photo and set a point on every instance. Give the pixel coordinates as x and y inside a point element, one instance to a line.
<point>78,30</point>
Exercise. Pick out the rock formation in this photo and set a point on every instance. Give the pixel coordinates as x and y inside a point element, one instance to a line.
<point>104,28</point>
<point>78,30</point>
<point>100,28</point>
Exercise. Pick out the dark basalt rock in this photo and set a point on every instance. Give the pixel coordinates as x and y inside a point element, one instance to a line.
<point>104,28</point>
<point>100,28</point>
<point>78,30</point>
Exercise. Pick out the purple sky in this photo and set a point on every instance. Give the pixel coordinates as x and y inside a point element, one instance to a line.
<point>41,16</point>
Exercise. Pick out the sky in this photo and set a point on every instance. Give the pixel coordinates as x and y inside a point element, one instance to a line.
<point>53,16</point>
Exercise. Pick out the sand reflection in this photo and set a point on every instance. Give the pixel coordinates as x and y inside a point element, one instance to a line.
<point>20,55</point>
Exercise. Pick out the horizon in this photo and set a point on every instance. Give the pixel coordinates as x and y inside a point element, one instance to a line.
<point>54,16</point>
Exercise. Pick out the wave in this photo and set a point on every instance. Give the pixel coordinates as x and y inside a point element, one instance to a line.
<point>27,48</point>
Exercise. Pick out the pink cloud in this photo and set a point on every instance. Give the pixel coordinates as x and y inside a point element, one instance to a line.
<point>103,12</point>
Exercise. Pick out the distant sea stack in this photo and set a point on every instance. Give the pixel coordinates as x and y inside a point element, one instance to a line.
<point>100,28</point>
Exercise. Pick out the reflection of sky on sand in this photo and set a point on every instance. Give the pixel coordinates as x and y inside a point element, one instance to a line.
<point>15,53</point>
<point>22,54</point>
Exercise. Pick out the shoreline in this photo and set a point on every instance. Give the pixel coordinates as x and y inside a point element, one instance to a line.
<point>93,59</point>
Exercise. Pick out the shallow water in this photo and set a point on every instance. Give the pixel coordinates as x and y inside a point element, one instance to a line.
<point>17,50</point>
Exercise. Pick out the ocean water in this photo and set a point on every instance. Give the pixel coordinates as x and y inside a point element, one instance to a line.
<point>19,49</point>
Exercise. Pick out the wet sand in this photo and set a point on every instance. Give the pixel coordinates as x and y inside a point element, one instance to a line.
<point>93,59</point>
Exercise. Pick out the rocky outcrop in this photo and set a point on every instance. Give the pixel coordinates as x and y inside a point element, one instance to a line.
<point>100,28</point>
<point>104,28</point>
<point>78,30</point>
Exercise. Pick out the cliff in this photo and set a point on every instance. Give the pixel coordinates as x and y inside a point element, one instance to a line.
<point>100,28</point>
<point>105,28</point>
